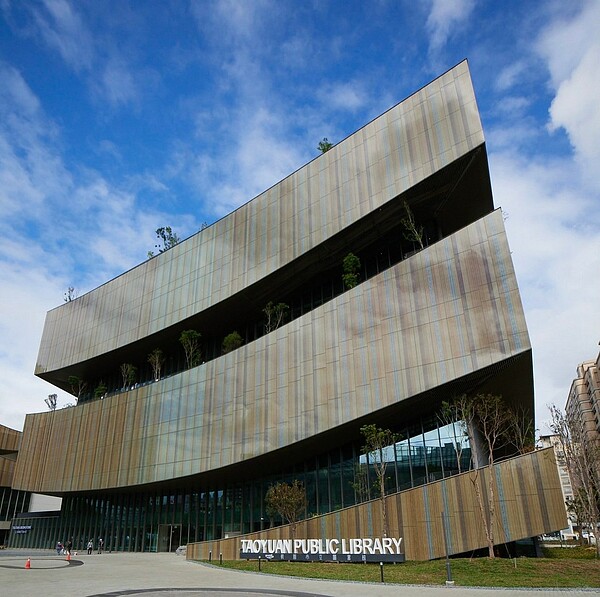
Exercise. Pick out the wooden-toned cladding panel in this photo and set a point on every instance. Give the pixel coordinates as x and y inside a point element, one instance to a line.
<point>429,327</point>
<point>10,439</point>
<point>7,471</point>
<point>416,514</point>
<point>391,154</point>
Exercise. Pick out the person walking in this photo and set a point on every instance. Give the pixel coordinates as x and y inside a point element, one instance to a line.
<point>100,545</point>
<point>68,547</point>
<point>90,547</point>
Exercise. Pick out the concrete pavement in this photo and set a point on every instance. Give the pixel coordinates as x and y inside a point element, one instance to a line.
<point>169,575</point>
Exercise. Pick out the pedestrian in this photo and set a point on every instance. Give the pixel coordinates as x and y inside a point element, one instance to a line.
<point>68,547</point>
<point>90,547</point>
<point>100,545</point>
<point>59,548</point>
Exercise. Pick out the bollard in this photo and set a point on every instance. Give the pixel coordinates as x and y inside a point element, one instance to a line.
<point>449,580</point>
<point>381,570</point>
<point>210,556</point>
<point>221,559</point>
<point>259,563</point>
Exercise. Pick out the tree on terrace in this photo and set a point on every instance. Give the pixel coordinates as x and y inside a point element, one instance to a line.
<point>167,240</point>
<point>190,340</point>
<point>70,295</point>
<point>521,430</point>
<point>156,360</point>
<point>324,145</point>
<point>412,231</point>
<point>128,372</point>
<point>51,401</point>
<point>77,385</point>
<point>231,342</point>
<point>100,390</point>
<point>275,314</point>
<point>351,268</point>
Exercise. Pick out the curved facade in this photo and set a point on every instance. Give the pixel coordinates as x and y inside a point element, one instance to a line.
<point>393,154</point>
<point>191,451</point>
<point>448,312</point>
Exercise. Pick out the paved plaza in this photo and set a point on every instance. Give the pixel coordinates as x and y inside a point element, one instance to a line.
<point>169,575</point>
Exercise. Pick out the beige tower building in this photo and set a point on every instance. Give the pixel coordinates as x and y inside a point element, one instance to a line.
<point>583,402</point>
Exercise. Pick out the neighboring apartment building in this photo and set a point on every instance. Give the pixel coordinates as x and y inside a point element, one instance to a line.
<point>185,454</point>
<point>583,402</point>
<point>553,441</point>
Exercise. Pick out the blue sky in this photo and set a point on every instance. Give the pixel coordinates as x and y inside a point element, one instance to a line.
<point>118,117</point>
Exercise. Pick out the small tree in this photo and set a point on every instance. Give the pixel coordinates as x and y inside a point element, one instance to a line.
<point>361,482</point>
<point>70,295</point>
<point>351,267</point>
<point>190,340</point>
<point>376,442</point>
<point>100,390</point>
<point>128,372</point>
<point>521,430</point>
<point>412,232</point>
<point>289,501</point>
<point>447,417</point>
<point>276,315</point>
<point>156,360</point>
<point>324,145</point>
<point>51,401</point>
<point>231,342</point>
<point>582,459</point>
<point>167,240</point>
<point>577,511</point>
<point>488,416</point>
<point>77,385</point>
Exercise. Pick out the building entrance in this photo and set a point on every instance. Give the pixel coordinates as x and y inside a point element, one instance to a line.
<point>169,537</point>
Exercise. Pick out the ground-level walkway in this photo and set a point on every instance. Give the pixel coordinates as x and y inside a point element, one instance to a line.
<point>169,575</point>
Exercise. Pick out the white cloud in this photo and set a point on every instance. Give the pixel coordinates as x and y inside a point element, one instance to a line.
<point>64,30</point>
<point>27,293</point>
<point>444,17</point>
<point>349,96</point>
<point>29,170</point>
<point>258,156</point>
<point>117,83</point>
<point>576,107</point>
<point>556,250</point>
<point>511,75</point>
<point>566,38</point>
<point>94,54</point>
<point>571,47</point>
<point>553,222</point>
<point>512,106</point>
<point>58,228</point>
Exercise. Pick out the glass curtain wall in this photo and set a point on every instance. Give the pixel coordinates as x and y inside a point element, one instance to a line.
<point>154,521</point>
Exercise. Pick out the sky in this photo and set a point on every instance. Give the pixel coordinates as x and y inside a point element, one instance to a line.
<point>119,117</point>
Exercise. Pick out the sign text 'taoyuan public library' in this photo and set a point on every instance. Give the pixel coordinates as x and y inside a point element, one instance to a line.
<point>386,549</point>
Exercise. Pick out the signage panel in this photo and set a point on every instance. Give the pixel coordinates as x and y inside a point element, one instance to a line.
<point>386,549</point>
